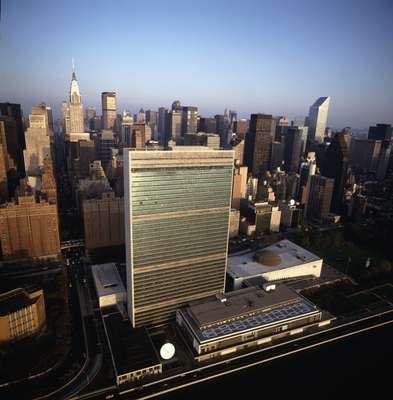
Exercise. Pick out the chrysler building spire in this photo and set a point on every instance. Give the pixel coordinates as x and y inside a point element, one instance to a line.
<point>75,97</point>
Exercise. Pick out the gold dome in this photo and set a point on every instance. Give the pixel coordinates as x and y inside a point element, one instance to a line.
<point>268,258</point>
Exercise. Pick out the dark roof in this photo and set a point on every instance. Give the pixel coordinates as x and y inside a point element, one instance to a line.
<point>213,310</point>
<point>15,300</point>
<point>132,348</point>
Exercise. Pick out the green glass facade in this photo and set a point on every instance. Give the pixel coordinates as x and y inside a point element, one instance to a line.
<point>179,205</point>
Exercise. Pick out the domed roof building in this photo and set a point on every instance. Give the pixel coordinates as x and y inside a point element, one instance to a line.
<point>280,261</point>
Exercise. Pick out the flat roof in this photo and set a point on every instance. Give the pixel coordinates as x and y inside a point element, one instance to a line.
<point>131,348</point>
<point>16,299</point>
<point>245,309</point>
<point>281,255</point>
<point>107,279</point>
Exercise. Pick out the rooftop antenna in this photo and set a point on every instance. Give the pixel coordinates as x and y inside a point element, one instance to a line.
<point>73,68</point>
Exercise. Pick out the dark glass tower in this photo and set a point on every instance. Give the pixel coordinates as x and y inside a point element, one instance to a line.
<point>335,166</point>
<point>258,143</point>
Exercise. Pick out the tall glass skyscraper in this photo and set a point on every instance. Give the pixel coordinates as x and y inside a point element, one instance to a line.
<point>177,206</point>
<point>317,119</point>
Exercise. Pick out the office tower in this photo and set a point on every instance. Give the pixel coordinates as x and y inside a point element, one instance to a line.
<point>176,106</point>
<point>126,128</point>
<point>73,110</point>
<point>140,117</point>
<point>282,122</point>
<point>117,124</point>
<point>162,124</point>
<point>258,143</point>
<point>240,127</point>
<point>275,219</point>
<point>317,118</point>
<point>108,100</point>
<point>48,189</point>
<point>364,154</point>
<point>210,140</point>
<point>291,214</point>
<point>107,142</point>
<point>224,126</point>
<point>291,185</point>
<point>177,205</point>
<point>307,170</point>
<point>207,125</point>
<point>260,215</point>
<point>174,124</point>
<point>4,165</point>
<point>97,123</point>
<point>29,229</point>
<point>152,121</point>
<point>239,186</point>
<point>303,134</point>
<point>151,117</point>
<point>86,154</point>
<point>347,132</point>
<point>12,117</point>
<point>383,160</point>
<point>141,133</point>
<point>237,146</point>
<point>320,197</point>
<point>277,155</point>
<point>234,222</point>
<point>292,149</point>
<point>336,166</point>
<point>189,119</point>
<point>380,132</point>
<point>93,186</point>
<point>103,221</point>
<point>38,139</point>
<point>89,118</point>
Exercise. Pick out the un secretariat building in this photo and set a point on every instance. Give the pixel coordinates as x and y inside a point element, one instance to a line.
<point>177,206</point>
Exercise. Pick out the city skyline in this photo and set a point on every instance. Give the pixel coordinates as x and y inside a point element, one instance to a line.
<point>277,59</point>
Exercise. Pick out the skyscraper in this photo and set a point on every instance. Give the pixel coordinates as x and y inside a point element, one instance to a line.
<point>39,141</point>
<point>162,124</point>
<point>73,111</point>
<point>174,124</point>
<point>292,149</point>
<point>89,118</point>
<point>11,115</point>
<point>126,128</point>
<point>207,125</point>
<point>320,197</point>
<point>258,143</point>
<point>189,119</point>
<point>177,206</point>
<point>3,165</point>
<point>317,119</point>
<point>108,100</point>
<point>335,166</point>
<point>380,132</point>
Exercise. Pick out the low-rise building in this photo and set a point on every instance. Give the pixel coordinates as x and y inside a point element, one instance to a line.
<point>134,356</point>
<point>109,286</point>
<point>29,229</point>
<point>283,260</point>
<point>22,313</point>
<point>246,318</point>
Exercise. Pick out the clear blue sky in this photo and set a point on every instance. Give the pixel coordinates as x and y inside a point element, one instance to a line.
<point>273,56</point>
